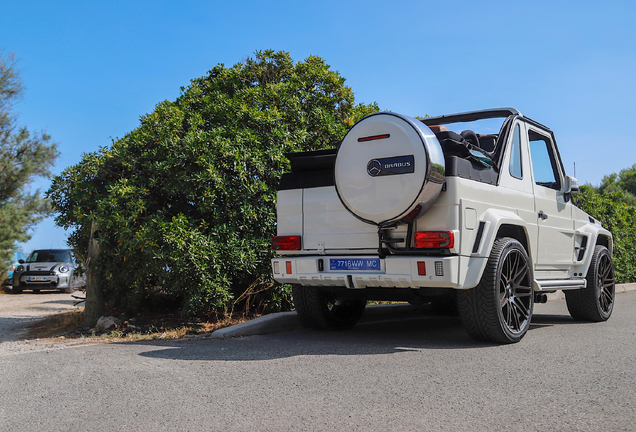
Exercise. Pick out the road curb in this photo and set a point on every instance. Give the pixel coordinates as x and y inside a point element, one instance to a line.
<point>623,288</point>
<point>288,321</point>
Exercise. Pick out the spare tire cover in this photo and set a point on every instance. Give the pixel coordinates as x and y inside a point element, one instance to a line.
<point>389,169</point>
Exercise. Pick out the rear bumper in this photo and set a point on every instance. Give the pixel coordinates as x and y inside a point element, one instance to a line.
<point>394,272</point>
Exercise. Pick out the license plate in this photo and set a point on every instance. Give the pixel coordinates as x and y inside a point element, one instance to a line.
<point>37,278</point>
<point>354,264</point>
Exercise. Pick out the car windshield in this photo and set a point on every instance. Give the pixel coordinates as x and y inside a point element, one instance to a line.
<point>50,256</point>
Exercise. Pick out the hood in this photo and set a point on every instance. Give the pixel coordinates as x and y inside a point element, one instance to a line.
<point>43,266</point>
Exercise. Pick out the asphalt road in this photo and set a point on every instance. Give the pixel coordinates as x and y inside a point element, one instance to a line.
<point>412,374</point>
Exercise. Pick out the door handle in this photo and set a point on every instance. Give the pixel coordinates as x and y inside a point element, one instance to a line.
<point>542,215</point>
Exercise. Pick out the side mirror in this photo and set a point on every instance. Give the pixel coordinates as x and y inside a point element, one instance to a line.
<point>21,261</point>
<point>571,185</point>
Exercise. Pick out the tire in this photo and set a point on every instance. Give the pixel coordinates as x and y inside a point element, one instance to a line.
<point>321,310</point>
<point>499,309</point>
<point>71,288</point>
<point>596,301</point>
<point>16,290</point>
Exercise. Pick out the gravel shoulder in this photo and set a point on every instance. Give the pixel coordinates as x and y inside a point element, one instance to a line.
<point>20,311</point>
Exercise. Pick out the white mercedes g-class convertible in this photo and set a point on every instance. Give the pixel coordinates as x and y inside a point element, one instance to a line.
<point>473,207</point>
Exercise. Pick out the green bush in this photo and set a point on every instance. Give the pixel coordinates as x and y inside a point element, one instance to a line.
<point>620,219</point>
<point>186,202</point>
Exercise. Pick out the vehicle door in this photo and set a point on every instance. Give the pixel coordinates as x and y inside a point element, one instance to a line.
<point>555,243</point>
<point>516,184</point>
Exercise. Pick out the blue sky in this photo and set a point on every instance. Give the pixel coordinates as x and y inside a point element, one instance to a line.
<point>91,69</point>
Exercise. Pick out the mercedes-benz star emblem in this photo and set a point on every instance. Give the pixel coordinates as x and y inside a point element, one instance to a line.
<point>374,167</point>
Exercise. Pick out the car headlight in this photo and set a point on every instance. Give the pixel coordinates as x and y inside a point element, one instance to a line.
<point>20,269</point>
<point>62,269</point>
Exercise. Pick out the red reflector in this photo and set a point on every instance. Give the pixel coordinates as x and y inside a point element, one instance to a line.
<point>286,243</point>
<point>434,240</point>
<point>288,267</point>
<point>373,137</point>
<point>421,268</point>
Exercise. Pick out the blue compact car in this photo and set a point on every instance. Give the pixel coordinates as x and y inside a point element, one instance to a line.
<point>18,258</point>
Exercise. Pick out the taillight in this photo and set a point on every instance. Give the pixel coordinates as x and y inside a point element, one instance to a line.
<point>421,268</point>
<point>286,243</point>
<point>373,137</point>
<point>434,240</point>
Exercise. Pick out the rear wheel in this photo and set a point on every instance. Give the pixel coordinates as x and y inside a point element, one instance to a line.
<point>596,301</point>
<point>499,309</point>
<point>322,310</point>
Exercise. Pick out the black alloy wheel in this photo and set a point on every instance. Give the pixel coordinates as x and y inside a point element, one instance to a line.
<point>499,309</point>
<point>596,301</point>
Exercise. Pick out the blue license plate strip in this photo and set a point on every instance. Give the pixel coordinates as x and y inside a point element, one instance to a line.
<point>353,264</point>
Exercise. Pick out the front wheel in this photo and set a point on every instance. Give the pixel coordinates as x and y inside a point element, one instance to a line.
<point>322,310</point>
<point>596,301</point>
<point>499,309</point>
<point>71,285</point>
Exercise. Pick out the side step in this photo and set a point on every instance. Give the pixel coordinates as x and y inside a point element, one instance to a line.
<point>563,284</point>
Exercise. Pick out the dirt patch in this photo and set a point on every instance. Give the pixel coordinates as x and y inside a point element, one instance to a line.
<point>69,325</point>
<point>19,311</point>
<point>57,325</point>
<point>49,321</point>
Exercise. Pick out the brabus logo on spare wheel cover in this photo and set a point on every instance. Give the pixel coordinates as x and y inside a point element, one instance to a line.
<point>391,166</point>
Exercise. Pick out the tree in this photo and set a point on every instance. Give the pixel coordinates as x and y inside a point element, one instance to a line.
<point>185,203</point>
<point>623,183</point>
<point>24,156</point>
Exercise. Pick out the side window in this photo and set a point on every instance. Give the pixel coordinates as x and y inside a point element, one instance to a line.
<point>544,165</point>
<point>515,155</point>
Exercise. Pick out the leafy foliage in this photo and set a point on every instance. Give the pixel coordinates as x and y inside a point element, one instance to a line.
<point>23,157</point>
<point>623,184</point>
<point>185,203</point>
<point>620,219</point>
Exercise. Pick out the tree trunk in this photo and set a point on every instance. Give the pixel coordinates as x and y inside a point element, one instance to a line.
<point>94,295</point>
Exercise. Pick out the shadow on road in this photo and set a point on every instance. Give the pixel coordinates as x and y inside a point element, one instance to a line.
<point>60,301</point>
<point>383,337</point>
<point>547,319</point>
<point>12,328</point>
